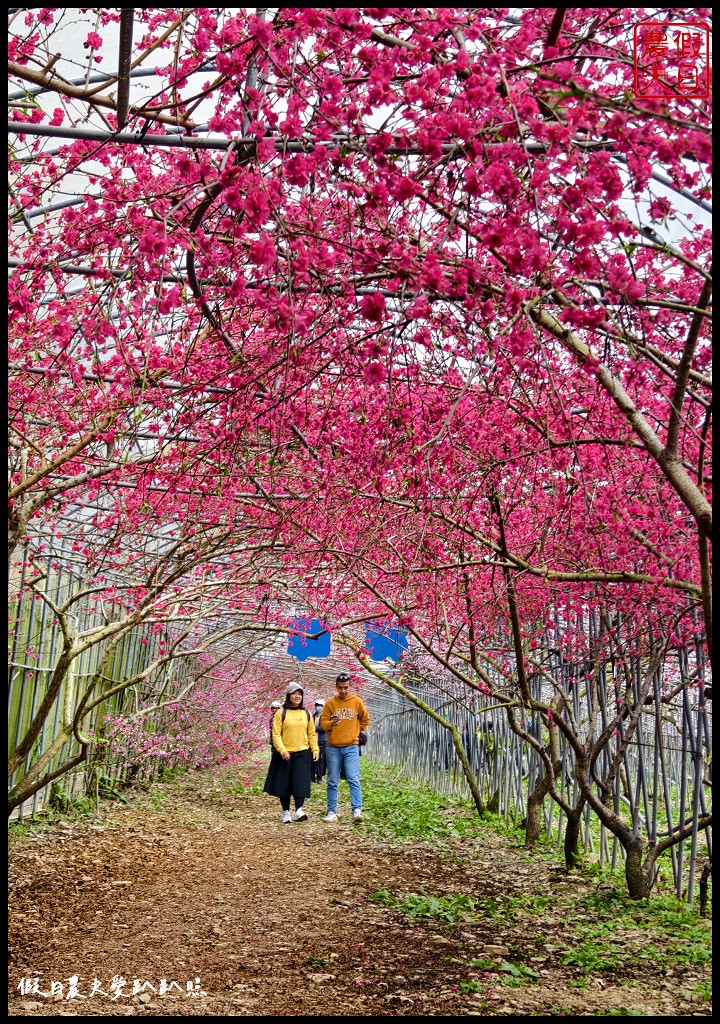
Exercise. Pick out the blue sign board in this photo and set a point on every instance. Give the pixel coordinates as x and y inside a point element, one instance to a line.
<point>383,642</point>
<point>302,648</point>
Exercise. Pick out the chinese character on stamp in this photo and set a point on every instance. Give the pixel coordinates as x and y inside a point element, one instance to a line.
<point>671,59</point>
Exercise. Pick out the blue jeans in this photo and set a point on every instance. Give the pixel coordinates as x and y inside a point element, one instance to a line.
<point>349,759</point>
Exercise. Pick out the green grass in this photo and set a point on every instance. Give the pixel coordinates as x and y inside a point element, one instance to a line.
<point>401,811</point>
<point>611,931</point>
<point>60,805</point>
<point>704,990</point>
<point>157,800</point>
<point>21,828</point>
<point>601,933</point>
<point>167,774</point>
<point>467,987</point>
<point>591,957</point>
<point>109,786</point>
<point>63,810</point>
<point>252,788</point>
<point>517,971</point>
<point>595,940</point>
<point>675,934</point>
<point>447,909</point>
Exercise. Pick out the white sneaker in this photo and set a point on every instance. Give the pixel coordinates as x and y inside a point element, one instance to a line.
<point>330,816</point>
<point>357,816</point>
<point>300,814</point>
<point>286,818</point>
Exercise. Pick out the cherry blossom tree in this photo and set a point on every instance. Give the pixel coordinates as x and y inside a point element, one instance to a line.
<point>221,722</point>
<point>182,592</point>
<point>401,178</point>
<point>423,293</point>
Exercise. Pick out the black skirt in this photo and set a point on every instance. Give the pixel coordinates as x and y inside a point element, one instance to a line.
<point>289,778</point>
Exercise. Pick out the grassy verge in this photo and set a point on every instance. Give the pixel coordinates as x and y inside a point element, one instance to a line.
<point>596,931</point>
<point>400,811</point>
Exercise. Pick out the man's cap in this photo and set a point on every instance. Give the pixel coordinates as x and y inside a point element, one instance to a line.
<point>342,678</point>
<point>292,687</point>
<point>276,704</point>
<point>318,701</point>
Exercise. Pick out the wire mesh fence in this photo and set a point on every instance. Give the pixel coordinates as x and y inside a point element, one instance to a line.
<point>36,642</point>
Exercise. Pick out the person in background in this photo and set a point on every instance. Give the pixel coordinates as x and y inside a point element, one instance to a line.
<point>319,766</point>
<point>295,747</point>
<point>343,718</point>
<point>274,705</point>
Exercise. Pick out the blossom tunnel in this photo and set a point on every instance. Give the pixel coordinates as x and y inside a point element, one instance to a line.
<point>385,324</point>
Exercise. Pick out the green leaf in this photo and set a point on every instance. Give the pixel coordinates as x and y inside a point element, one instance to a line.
<point>518,970</point>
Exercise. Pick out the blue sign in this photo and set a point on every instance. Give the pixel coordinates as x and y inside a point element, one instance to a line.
<point>302,648</point>
<point>383,642</point>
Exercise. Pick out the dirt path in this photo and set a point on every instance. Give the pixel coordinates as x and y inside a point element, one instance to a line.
<point>192,886</point>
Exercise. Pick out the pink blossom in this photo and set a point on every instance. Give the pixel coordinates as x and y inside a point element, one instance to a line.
<point>375,373</point>
<point>373,306</point>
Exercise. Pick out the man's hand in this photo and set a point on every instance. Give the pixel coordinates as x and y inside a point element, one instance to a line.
<point>315,757</point>
<point>285,756</point>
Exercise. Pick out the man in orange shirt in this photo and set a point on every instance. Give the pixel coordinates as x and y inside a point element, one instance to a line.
<point>343,718</point>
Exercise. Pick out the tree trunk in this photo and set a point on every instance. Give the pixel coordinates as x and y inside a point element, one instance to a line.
<point>32,783</point>
<point>636,873</point>
<point>533,821</point>
<point>533,824</point>
<point>61,670</point>
<point>467,770</point>
<point>573,854</point>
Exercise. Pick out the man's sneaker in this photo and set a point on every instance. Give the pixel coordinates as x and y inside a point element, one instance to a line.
<point>357,816</point>
<point>330,816</point>
<point>286,818</point>
<point>300,814</point>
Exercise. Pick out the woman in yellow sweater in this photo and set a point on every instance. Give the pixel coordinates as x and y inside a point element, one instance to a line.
<point>295,747</point>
